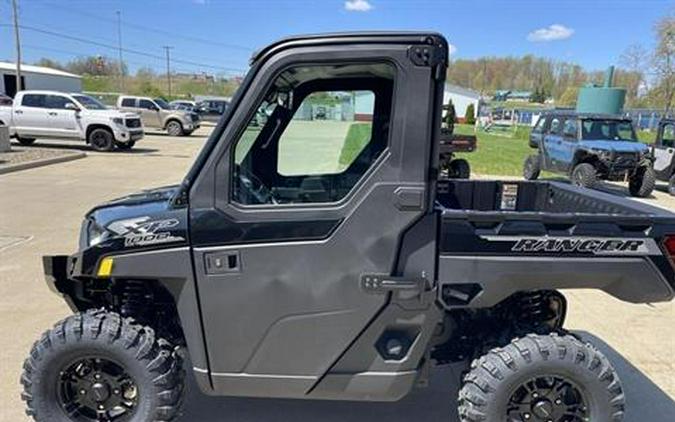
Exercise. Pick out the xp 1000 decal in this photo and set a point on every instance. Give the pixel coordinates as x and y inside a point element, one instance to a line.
<point>591,245</point>
<point>142,231</point>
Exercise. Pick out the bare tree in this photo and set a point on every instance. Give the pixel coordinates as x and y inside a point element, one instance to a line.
<point>635,59</point>
<point>663,60</point>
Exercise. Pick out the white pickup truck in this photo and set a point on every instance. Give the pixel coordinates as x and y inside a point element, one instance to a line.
<point>57,115</point>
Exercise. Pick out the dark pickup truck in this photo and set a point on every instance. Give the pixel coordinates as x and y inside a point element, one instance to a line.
<point>284,267</point>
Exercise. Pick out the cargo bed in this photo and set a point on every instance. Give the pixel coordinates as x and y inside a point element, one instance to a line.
<point>497,236</point>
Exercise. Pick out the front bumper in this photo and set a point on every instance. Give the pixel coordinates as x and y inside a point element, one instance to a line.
<point>125,135</point>
<point>57,270</point>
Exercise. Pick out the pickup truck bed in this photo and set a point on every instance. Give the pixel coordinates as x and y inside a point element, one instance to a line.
<point>497,237</point>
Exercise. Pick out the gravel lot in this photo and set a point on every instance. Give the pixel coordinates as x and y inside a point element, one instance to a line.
<point>22,155</point>
<point>40,213</point>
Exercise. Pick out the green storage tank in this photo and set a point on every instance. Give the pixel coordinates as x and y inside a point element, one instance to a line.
<point>602,99</point>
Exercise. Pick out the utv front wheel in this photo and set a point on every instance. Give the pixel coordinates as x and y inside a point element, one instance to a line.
<point>584,175</point>
<point>98,366</point>
<point>642,183</point>
<point>542,378</point>
<point>532,167</point>
<point>460,169</point>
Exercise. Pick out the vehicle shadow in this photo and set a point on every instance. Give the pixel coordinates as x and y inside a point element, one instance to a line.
<point>85,148</point>
<point>645,401</point>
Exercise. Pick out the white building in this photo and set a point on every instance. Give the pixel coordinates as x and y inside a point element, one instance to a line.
<point>37,77</point>
<point>461,98</point>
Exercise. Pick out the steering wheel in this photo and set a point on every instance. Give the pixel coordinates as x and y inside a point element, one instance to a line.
<point>250,189</point>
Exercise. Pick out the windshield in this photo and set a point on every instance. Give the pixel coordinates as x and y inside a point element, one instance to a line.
<point>89,103</point>
<point>608,130</point>
<point>162,104</point>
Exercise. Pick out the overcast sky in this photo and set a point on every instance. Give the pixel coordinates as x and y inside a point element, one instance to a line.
<point>219,35</point>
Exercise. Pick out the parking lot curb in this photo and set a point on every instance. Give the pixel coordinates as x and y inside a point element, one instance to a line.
<point>42,162</point>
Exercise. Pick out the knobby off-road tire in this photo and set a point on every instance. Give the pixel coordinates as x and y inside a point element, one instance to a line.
<point>460,169</point>
<point>671,185</point>
<point>584,175</point>
<point>532,167</point>
<point>101,140</point>
<point>643,183</point>
<point>515,381</point>
<point>68,361</point>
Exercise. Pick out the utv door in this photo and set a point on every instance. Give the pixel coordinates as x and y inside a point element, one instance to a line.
<point>664,151</point>
<point>287,215</point>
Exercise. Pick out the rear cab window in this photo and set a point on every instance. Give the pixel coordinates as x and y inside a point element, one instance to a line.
<point>33,100</point>
<point>128,102</point>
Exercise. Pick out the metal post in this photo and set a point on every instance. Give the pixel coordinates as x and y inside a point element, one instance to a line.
<point>119,42</point>
<point>19,85</point>
<point>168,66</point>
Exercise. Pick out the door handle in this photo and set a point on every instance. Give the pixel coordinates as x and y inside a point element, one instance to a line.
<point>18,111</point>
<point>222,262</point>
<point>53,113</point>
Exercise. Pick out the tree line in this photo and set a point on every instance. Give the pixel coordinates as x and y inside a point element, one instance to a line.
<point>648,76</point>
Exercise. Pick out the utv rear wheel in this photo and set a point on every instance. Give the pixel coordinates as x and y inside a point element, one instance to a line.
<point>584,175</point>
<point>26,141</point>
<point>101,140</point>
<point>460,169</point>
<point>542,378</point>
<point>671,185</point>
<point>174,128</point>
<point>98,366</point>
<point>642,183</point>
<point>532,167</point>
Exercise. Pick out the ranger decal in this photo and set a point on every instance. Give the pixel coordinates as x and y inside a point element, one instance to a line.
<point>142,231</point>
<point>594,245</point>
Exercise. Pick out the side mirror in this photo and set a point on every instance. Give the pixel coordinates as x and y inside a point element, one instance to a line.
<point>71,106</point>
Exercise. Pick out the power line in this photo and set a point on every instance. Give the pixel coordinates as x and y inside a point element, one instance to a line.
<point>145,28</point>
<point>126,50</point>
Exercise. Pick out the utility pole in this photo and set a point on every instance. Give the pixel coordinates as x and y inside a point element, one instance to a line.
<point>119,43</point>
<point>19,86</point>
<point>168,66</point>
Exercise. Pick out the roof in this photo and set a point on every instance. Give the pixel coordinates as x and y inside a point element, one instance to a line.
<point>383,37</point>
<point>462,91</point>
<point>38,69</point>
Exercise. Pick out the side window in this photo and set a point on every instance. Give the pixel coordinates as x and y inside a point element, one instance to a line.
<point>668,137</point>
<point>316,134</point>
<point>56,101</point>
<point>539,127</point>
<point>33,100</point>
<point>128,102</point>
<point>570,128</point>
<point>555,126</point>
<point>146,104</point>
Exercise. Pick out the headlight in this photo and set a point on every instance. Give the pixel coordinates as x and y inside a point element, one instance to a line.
<point>118,121</point>
<point>96,234</point>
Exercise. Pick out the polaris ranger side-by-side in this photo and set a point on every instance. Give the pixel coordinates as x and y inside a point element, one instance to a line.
<point>282,271</point>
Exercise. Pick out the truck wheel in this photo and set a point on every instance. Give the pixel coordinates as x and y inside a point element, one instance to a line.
<point>25,141</point>
<point>101,140</point>
<point>532,167</point>
<point>542,378</point>
<point>584,175</point>
<point>97,366</point>
<point>671,185</point>
<point>174,128</point>
<point>643,183</point>
<point>125,146</point>
<point>460,169</point>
